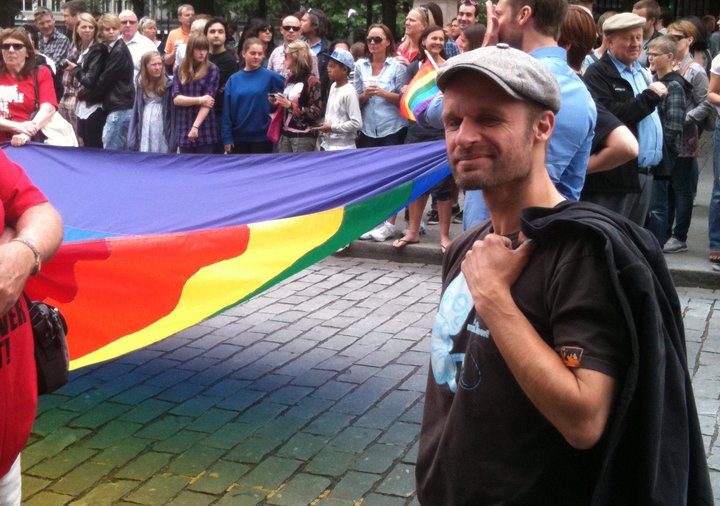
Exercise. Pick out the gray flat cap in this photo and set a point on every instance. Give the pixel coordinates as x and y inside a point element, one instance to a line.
<point>622,21</point>
<point>519,74</point>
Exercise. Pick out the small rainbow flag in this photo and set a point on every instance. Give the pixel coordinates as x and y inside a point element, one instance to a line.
<point>422,87</point>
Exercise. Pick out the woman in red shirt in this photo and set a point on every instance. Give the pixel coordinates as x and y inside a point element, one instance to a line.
<point>18,90</point>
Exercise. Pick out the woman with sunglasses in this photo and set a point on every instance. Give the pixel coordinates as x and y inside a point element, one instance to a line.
<point>379,79</point>
<point>683,179</point>
<point>301,100</point>
<point>85,74</point>
<point>17,82</point>
<point>260,29</point>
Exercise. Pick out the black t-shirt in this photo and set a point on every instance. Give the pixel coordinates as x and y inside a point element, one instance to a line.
<point>227,65</point>
<point>482,441</point>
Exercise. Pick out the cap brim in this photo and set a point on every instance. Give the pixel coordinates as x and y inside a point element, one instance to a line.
<point>445,77</point>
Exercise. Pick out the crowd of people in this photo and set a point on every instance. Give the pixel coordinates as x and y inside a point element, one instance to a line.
<point>627,135</point>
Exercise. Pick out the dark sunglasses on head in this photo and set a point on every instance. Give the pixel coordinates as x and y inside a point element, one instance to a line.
<point>17,46</point>
<point>42,11</point>
<point>474,3</point>
<point>375,40</point>
<point>291,28</point>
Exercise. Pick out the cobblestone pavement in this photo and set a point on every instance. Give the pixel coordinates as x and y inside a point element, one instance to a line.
<point>308,394</point>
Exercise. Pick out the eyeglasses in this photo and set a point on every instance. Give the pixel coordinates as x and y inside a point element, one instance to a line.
<point>375,40</point>
<point>17,46</point>
<point>267,29</point>
<point>128,22</point>
<point>288,28</point>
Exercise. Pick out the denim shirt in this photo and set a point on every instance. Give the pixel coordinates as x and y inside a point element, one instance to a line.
<point>380,117</point>
<point>650,134</point>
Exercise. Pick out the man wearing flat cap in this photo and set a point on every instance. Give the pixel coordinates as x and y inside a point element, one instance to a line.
<point>626,89</point>
<point>555,361</point>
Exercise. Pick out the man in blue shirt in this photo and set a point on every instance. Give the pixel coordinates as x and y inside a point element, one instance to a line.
<point>534,28</point>
<point>625,88</point>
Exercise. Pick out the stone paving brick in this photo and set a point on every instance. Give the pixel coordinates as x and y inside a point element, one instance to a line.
<point>164,427</point>
<point>383,500</point>
<point>74,388</point>
<point>334,390</point>
<point>122,453</point>
<point>51,420</point>
<point>411,456</point>
<point>331,462</point>
<point>232,329</point>
<point>358,374</point>
<point>261,413</point>
<point>159,365</point>
<point>378,358</point>
<point>186,498</point>
<point>338,342</point>
<point>105,494</point>
<point>303,362</point>
<point>400,433</point>
<point>229,435</point>
<point>354,439</point>
<point>147,411</point>
<point>272,472</point>
<point>48,499</point>
<point>170,377</point>
<point>400,481</point>
<point>180,392</point>
<point>319,332</point>
<point>180,442</point>
<point>353,487</point>
<point>336,363</point>
<point>81,478</point>
<point>270,382</point>
<point>301,489</point>
<point>303,446</point>
<point>241,400</point>
<point>32,485</point>
<point>313,378</point>
<point>212,420</point>
<point>137,394</point>
<point>56,466</point>
<point>329,424</point>
<point>363,397</point>
<point>159,489</point>
<point>289,394</point>
<point>284,335</point>
<point>87,400</point>
<point>101,414</point>
<point>111,434</point>
<point>253,449</point>
<point>254,371</point>
<point>219,477</point>
<point>195,460</point>
<point>281,428</point>
<point>145,466</point>
<point>52,444</point>
<point>195,406</point>
<point>378,458</point>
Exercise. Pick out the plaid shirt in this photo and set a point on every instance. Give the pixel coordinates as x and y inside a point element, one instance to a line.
<point>185,116</point>
<point>672,115</point>
<point>58,47</point>
<point>70,86</point>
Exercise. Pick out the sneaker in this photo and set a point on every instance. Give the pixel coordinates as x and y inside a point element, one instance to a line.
<point>458,218</point>
<point>423,230</point>
<point>367,235</point>
<point>433,218</point>
<point>674,246</point>
<point>383,232</point>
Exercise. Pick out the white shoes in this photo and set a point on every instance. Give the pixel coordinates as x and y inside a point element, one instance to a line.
<point>383,232</point>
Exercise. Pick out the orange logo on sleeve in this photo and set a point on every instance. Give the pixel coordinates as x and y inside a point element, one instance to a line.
<point>571,355</point>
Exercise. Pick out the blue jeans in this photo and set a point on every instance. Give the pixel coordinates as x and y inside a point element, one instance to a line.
<point>116,129</point>
<point>657,218</point>
<point>680,203</point>
<point>714,212</point>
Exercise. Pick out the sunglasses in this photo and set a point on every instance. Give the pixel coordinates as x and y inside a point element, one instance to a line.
<point>291,28</point>
<point>17,46</point>
<point>375,40</point>
<point>267,29</point>
<point>42,11</point>
<point>677,38</point>
<point>474,3</point>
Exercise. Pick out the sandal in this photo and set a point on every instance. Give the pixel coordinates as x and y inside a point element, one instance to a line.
<point>714,256</point>
<point>401,243</point>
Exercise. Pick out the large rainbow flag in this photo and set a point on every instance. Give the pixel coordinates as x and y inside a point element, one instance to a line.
<point>157,243</point>
<point>422,87</point>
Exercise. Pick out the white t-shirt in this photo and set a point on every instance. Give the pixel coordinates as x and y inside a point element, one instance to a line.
<point>343,114</point>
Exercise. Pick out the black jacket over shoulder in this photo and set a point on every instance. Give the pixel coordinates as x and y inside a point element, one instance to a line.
<point>88,74</point>
<point>616,94</point>
<point>653,450</point>
<point>114,86</point>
